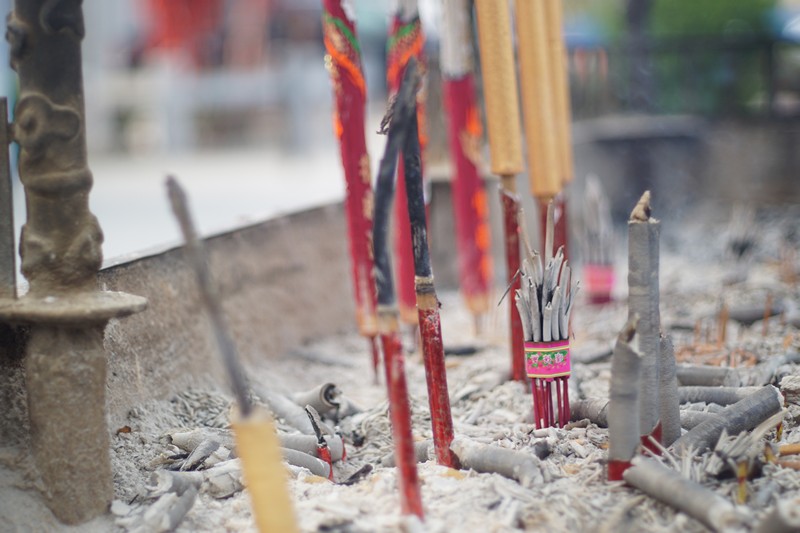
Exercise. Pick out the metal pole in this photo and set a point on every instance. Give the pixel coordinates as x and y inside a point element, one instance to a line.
<point>61,253</point>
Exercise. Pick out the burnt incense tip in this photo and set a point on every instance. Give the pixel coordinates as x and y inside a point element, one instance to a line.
<point>408,90</point>
<point>629,329</point>
<point>383,129</point>
<point>641,213</point>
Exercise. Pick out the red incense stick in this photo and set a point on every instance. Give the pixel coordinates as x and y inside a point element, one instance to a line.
<point>406,41</point>
<point>343,61</point>
<point>470,205</point>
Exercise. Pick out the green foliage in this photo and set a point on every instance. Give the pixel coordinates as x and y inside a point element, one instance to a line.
<point>709,17</point>
<point>705,78</point>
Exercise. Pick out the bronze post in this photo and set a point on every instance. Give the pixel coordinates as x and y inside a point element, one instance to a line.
<point>61,253</point>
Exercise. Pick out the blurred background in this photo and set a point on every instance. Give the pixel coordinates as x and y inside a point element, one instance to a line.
<point>697,100</point>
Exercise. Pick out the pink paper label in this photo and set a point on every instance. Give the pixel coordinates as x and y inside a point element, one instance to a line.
<point>547,359</point>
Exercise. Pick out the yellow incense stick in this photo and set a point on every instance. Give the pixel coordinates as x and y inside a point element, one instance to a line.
<point>264,474</point>
<point>500,87</point>
<point>541,133</point>
<point>558,69</point>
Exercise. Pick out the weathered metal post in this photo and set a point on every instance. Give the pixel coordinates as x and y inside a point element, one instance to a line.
<point>61,253</point>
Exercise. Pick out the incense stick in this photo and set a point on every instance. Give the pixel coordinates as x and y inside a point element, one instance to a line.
<point>643,300</point>
<point>209,295</point>
<point>624,401</point>
<point>427,303</point>
<point>502,116</point>
<point>343,61</point>
<point>388,314</point>
<point>669,406</point>
<point>470,205</point>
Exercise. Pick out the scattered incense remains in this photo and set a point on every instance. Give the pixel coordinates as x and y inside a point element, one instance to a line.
<point>706,375</point>
<point>784,518</point>
<point>593,409</point>
<point>521,466</point>
<point>667,486</point>
<point>719,395</point>
<point>544,302</point>
<point>741,416</point>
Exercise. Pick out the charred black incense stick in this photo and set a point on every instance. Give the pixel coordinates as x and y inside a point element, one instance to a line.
<point>400,117</point>
<point>430,327</point>
<point>209,294</point>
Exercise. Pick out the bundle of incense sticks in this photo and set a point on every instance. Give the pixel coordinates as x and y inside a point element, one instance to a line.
<point>598,242</point>
<point>544,301</point>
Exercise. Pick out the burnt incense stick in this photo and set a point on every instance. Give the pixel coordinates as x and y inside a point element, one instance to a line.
<point>343,61</point>
<point>388,314</point>
<point>208,293</point>
<point>505,147</point>
<point>741,416</point>
<point>669,405</point>
<point>257,442</point>
<point>643,301</point>
<point>406,41</point>
<point>684,495</point>
<point>430,328</point>
<point>719,395</point>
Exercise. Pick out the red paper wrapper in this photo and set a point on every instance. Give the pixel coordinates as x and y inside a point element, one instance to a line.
<point>406,40</point>
<point>469,197</point>
<point>343,61</point>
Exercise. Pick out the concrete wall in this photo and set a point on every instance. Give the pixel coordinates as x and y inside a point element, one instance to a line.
<point>283,283</point>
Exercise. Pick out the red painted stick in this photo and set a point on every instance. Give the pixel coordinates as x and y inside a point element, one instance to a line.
<point>510,203</point>
<point>470,206</point>
<point>343,61</point>
<point>436,376</point>
<point>406,41</point>
<point>400,414</point>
